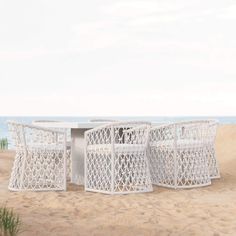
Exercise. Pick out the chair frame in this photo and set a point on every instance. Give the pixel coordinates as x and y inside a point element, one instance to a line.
<point>105,141</point>
<point>36,147</point>
<point>173,149</point>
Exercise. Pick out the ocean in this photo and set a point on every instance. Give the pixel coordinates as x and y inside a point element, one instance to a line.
<point>30,119</point>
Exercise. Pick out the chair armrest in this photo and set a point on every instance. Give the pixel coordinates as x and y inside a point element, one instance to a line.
<point>35,136</point>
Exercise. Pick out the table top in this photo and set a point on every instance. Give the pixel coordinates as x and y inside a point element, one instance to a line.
<point>74,125</point>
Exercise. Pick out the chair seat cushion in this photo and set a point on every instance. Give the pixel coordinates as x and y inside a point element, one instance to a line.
<point>181,143</point>
<point>46,147</point>
<point>117,147</point>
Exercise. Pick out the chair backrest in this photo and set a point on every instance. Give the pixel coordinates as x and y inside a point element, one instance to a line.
<point>213,125</point>
<point>26,136</point>
<point>40,123</point>
<point>198,130</point>
<point>130,132</point>
<point>192,130</point>
<point>162,133</point>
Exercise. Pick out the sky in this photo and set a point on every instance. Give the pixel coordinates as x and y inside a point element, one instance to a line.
<point>115,58</point>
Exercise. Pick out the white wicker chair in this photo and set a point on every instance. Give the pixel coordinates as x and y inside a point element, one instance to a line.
<point>40,161</point>
<point>178,154</point>
<point>116,160</point>
<point>210,149</point>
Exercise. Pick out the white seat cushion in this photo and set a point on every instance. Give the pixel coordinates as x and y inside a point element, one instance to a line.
<point>118,147</point>
<point>181,143</point>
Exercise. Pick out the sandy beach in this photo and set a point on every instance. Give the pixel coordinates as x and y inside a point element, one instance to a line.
<point>203,211</point>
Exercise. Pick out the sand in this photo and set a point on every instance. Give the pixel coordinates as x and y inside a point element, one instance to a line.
<point>204,211</point>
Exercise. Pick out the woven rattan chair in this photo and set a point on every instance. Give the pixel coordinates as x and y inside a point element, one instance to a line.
<point>40,161</point>
<point>116,160</point>
<point>179,154</point>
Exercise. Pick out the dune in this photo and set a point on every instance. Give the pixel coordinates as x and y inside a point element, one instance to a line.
<point>202,211</point>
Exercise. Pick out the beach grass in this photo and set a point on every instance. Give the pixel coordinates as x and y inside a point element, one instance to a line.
<point>10,222</point>
<point>3,144</point>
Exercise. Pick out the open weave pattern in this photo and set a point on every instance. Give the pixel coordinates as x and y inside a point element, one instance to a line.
<point>68,164</point>
<point>68,152</point>
<point>178,154</point>
<point>210,150</point>
<point>40,161</point>
<point>116,160</point>
<point>68,147</point>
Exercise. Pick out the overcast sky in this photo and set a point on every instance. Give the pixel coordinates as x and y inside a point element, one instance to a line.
<point>126,57</point>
